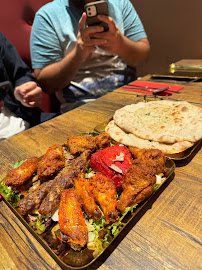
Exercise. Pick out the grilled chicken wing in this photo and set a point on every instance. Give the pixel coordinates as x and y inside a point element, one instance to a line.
<point>105,194</point>
<point>84,190</point>
<point>51,163</point>
<point>140,178</point>
<point>63,181</point>
<point>71,220</point>
<point>23,173</point>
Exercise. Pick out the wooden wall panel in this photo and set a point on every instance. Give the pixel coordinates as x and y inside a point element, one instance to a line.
<point>174,29</point>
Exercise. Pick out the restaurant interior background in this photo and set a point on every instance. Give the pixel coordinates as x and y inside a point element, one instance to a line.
<point>173,28</point>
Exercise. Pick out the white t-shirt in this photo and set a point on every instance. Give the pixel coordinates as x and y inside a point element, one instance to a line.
<point>10,124</point>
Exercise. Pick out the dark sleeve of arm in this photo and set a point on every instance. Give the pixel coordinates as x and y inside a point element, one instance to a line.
<point>17,70</point>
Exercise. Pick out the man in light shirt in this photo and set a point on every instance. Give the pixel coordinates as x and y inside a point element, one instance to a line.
<point>67,54</point>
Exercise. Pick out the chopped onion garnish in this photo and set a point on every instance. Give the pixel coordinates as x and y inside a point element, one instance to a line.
<point>160,179</point>
<point>91,174</point>
<point>116,168</point>
<point>55,216</point>
<point>119,158</point>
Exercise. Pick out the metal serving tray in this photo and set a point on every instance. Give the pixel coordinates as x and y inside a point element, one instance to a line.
<point>81,260</point>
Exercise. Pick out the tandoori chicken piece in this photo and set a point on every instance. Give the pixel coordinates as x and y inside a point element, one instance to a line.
<point>18,176</point>
<point>64,180</point>
<point>51,163</point>
<point>78,144</point>
<point>71,220</point>
<point>105,195</point>
<point>84,190</point>
<point>137,186</point>
<point>140,178</point>
<point>113,162</point>
<point>155,157</point>
<point>102,141</point>
<point>33,200</point>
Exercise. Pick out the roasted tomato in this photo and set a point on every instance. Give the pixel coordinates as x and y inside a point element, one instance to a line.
<point>113,162</point>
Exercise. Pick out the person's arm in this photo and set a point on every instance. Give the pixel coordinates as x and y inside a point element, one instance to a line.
<point>56,76</point>
<point>132,52</point>
<point>25,88</point>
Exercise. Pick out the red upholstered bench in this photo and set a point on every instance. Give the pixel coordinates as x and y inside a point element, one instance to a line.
<point>16,18</point>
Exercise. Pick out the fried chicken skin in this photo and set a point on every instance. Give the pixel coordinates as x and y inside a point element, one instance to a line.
<point>140,178</point>
<point>102,141</point>
<point>105,195</point>
<point>64,180</point>
<point>71,220</point>
<point>84,190</point>
<point>155,158</point>
<point>137,186</point>
<point>78,144</point>
<point>51,163</point>
<point>18,176</point>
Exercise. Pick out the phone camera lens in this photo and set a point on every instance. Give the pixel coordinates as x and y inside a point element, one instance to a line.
<point>89,8</point>
<point>89,13</point>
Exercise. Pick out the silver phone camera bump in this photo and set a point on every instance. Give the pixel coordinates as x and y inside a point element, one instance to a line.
<point>91,11</point>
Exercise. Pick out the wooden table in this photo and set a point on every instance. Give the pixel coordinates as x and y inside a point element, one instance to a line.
<point>165,235</point>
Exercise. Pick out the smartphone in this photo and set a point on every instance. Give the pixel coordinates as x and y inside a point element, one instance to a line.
<point>93,9</point>
<point>4,88</point>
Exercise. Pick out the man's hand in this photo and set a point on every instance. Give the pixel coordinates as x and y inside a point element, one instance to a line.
<point>113,36</point>
<point>29,94</point>
<point>132,52</point>
<point>85,44</point>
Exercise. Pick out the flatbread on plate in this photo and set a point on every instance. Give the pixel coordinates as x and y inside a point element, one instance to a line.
<point>130,139</point>
<point>162,121</point>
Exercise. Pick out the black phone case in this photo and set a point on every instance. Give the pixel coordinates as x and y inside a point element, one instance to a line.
<point>101,8</point>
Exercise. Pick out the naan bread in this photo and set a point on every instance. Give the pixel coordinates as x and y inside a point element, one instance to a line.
<point>162,121</point>
<point>130,139</point>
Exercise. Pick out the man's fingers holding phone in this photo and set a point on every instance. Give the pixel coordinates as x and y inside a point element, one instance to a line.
<point>86,32</point>
<point>108,20</point>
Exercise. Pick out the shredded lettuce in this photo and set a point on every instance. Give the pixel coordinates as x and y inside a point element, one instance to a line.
<point>18,163</point>
<point>98,224</point>
<point>94,227</point>
<point>38,223</point>
<point>9,194</point>
<point>156,186</point>
<point>94,243</point>
<point>116,227</point>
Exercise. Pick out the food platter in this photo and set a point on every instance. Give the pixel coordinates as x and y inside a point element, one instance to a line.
<point>176,157</point>
<point>72,259</point>
<point>86,258</point>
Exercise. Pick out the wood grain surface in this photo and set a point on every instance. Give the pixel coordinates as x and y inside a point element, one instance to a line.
<point>166,234</point>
